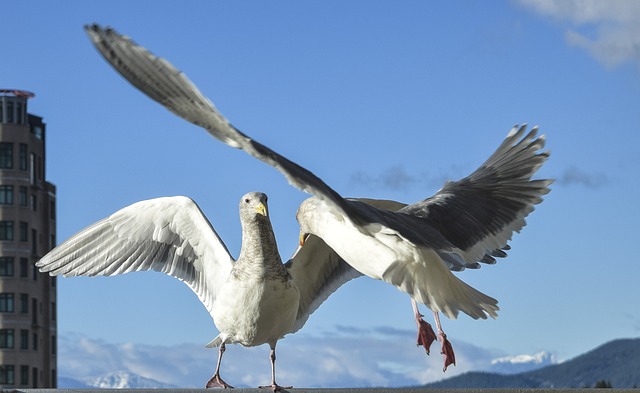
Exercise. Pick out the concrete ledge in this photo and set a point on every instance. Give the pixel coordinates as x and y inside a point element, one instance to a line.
<point>313,390</point>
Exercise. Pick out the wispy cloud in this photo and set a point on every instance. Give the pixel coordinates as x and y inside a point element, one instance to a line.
<point>573,176</point>
<point>346,357</point>
<point>608,30</point>
<point>397,178</point>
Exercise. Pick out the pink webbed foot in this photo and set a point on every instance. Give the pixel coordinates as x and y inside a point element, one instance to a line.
<point>447,351</point>
<point>426,335</point>
<point>217,382</point>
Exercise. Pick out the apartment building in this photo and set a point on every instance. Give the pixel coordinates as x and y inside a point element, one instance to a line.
<point>28,343</point>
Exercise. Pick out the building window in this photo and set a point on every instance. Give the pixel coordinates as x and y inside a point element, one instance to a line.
<point>6,230</point>
<point>32,168</point>
<point>53,311</point>
<point>24,231</point>
<point>6,338</point>
<point>38,132</point>
<point>6,266</point>
<point>6,155</point>
<point>40,168</point>
<point>35,341</point>
<point>6,302</point>
<point>34,311</point>
<point>23,162</point>
<point>53,345</point>
<point>19,112</point>
<point>34,377</point>
<point>24,303</point>
<point>34,242</point>
<point>22,196</point>
<point>6,195</point>
<point>10,112</point>
<point>24,268</point>
<point>52,210</point>
<point>24,339</point>
<point>7,374</point>
<point>24,375</point>
<point>34,202</point>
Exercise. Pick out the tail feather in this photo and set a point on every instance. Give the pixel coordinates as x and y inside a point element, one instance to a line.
<point>432,284</point>
<point>216,342</point>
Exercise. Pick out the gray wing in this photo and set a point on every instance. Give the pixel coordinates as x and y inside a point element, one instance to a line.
<point>505,177</point>
<point>479,213</point>
<point>168,235</point>
<point>318,272</point>
<point>162,82</point>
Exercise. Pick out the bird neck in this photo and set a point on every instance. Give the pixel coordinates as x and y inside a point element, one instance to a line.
<point>259,249</point>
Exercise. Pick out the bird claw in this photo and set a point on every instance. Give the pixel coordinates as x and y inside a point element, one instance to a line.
<point>275,387</point>
<point>447,352</point>
<point>217,382</point>
<point>426,335</point>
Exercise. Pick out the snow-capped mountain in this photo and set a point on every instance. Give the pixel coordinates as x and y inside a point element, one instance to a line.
<point>123,379</point>
<point>309,360</point>
<point>521,363</point>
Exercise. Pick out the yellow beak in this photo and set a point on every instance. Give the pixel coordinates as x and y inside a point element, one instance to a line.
<point>262,209</point>
<point>303,238</point>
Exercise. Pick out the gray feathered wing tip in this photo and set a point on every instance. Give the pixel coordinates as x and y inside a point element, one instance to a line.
<point>165,84</point>
<point>478,214</point>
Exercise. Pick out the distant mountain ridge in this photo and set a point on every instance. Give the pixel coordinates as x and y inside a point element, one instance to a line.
<point>617,362</point>
<point>115,380</point>
<point>521,363</point>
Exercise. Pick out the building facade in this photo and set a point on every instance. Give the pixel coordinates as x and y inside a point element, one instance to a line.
<point>28,342</point>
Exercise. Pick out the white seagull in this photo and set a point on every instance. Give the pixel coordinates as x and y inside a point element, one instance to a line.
<point>254,300</point>
<point>413,247</point>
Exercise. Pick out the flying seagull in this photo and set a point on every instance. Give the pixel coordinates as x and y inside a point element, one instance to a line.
<point>413,247</point>
<point>254,300</point>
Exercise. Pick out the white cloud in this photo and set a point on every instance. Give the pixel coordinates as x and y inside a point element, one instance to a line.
<point>343,358</point>
<point>608,30</point>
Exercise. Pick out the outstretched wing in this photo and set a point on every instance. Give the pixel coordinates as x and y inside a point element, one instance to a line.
<point>479,213</point>
<point>168,235</point>
<point>318,271</point>
<point>162,82</point>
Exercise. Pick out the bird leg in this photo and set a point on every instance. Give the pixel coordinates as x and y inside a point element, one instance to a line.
<point>447,349</point>
<point>216,381</point>
<point>426,335</point>
<point>274,386</point>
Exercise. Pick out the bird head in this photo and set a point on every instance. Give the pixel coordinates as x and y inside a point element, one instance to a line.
<point>253,205</point>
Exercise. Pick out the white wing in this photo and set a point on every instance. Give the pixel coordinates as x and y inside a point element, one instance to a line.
<point>169,235</point>
<point>318,271</point>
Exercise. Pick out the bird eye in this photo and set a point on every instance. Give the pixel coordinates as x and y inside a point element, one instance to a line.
<point>247,200</point>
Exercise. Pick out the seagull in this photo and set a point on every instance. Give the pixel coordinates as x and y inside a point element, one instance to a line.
<point>253,300</point>
<point>414,247</point>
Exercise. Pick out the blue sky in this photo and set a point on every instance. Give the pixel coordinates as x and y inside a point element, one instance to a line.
<point>380,99</point>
